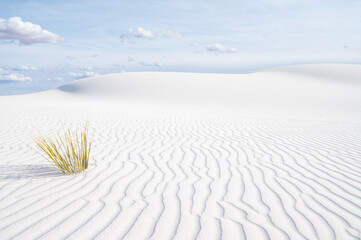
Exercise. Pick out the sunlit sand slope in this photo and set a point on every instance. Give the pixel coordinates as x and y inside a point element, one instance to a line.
<point>268,155</point>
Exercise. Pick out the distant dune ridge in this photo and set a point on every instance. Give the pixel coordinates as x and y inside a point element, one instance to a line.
<point>274,154</point>
<point>322,87</point>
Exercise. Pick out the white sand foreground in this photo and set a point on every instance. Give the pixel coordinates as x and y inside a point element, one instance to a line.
<point>274,154</point>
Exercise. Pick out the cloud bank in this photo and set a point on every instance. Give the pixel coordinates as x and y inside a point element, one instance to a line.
<point>25,33</point>
<point>57,79</point>
<point>85,67</point>
<point>15,77</point>
<point>24,68</point>
<point>220,49</point>
<point>83,75</point>
<point>144,34</point>
<point>151,64</point>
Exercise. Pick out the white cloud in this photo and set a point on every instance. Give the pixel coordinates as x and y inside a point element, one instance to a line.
<point>87,68</point>
<point>58,79</point>
<point>138,33</point>
<point>26,33</point>
<point>148,35</point>
<point>83,75</point>
<point>170,34</point>
<point>151,64</point>
<point>15,77</point>
<point>130,59</point>
<point>142,33</point>
<point>24,68</point>
<point>220,49</point>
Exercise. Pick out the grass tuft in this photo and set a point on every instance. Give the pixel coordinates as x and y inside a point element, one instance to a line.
<point>68,151</point>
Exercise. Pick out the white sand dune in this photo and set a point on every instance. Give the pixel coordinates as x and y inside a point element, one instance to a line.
<point>274,154</point>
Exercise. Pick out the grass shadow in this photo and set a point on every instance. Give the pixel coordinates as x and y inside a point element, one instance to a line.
<point>32,171</point>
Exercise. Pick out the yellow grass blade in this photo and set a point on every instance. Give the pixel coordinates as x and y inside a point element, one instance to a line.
<point>69,152</point>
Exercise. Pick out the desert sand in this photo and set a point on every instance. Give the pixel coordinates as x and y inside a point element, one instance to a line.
<point>274,154</point>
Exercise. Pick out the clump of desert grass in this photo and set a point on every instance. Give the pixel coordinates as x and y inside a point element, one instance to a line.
<point>68,151</point>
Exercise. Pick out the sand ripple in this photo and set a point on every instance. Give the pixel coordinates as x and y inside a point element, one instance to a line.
<point>176,176</point>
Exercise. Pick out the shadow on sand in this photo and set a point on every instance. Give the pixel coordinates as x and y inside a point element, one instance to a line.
<point>29,171</point>
<point>68,88</point>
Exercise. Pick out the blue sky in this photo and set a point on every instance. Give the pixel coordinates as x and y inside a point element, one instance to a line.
<point>86,38</point>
